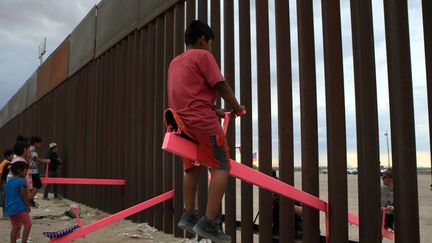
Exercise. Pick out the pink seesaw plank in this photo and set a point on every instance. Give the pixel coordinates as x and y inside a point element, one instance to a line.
<point>115,217</point>
<point>184,148</point>
<point>257,178</point>
<point>83,181</point>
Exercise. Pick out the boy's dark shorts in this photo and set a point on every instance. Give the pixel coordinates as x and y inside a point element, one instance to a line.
<point>37,183</point>
<point>213,152</point>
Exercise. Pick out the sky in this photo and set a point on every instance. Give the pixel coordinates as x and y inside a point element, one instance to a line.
<point>24,24</point>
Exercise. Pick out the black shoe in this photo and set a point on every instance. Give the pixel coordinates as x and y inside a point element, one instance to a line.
<point>211,229</point>
<point>32,203</point>
<point>188,220</point>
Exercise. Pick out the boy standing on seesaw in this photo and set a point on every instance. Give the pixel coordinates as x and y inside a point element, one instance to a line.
<point>194,79</point>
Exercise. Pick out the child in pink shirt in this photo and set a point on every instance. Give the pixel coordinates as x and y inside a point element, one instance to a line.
<point>194,79</point>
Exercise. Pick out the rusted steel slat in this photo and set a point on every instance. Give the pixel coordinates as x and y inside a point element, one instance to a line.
<point>202,10</point>
<point>367,121</point>
<point>130,146</point>
<point>168,157</point>
<point>264,117</point>
<point>150,81</point>
<point>402,126</point>
<point>158,122</point>
<point>285,117</point>
<point>179,18</point>
<point>216,27</point>
<point>229,65</point>
<point>335,111</point>
<point>308,114</point>
<point>427,32</point>
<point>190,11</point>
<point>142,76</point>
<point>246,121</point>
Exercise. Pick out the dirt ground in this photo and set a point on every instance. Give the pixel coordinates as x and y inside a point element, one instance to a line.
<point>50,217</point>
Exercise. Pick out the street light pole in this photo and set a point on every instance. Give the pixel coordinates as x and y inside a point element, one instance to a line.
<point>388,152</point>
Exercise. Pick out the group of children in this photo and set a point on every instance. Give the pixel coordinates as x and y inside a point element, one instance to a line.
<point>20,181</point>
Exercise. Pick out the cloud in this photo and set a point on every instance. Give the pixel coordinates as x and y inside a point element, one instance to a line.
<point>23,26</point>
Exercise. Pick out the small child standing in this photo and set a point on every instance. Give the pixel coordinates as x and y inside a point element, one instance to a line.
<point>35,143</point>
<point>17,203</point>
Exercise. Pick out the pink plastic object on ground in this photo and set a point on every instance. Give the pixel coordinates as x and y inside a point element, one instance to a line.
<point>76,210</point>
<point>115,217</point>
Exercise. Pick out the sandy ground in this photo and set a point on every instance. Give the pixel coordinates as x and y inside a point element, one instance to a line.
<point>50,217</point>
<point>425,204</point>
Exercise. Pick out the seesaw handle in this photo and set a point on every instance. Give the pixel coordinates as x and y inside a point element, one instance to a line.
<point>228,116</point>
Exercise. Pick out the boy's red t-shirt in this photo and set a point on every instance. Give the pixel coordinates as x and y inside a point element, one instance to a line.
<point>191,79</point>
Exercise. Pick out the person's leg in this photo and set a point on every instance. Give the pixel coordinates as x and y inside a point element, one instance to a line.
<point>190,181</point>
<point>213,151</point>
<point>54,175</point>
<point>47,189</point>
<point>215,193</point>
<point>35,189</point>
<point>27,226</point>
<point>15,228</point>
<point>13,235</point>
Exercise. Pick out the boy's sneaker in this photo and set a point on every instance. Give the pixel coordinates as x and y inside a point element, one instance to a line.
<point>188,220</point>
<point>211,229</point>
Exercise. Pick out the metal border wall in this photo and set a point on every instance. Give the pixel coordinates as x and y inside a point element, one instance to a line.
<point>107,115</point>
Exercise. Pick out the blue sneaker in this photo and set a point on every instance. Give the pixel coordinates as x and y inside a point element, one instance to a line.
<point>188,220</point>
<point>211,229</point>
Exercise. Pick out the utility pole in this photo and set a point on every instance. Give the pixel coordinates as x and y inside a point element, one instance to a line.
<point>388,152</point>
<point>42,50</point>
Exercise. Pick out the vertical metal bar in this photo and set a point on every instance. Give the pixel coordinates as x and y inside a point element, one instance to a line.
<point>285,117</point>
<point>190,11</point>
<point>246,121</point>
<point>99,68</point>
<point>427,32</point>
<point>168,157</point>
<point>158,122</point>
<point>179,27</point>
<point>264,117</point>
<point>88,123</point>
<point>106,91</point>
<point>142,129</point>
<point>117,169</point>
<point>150,81</point>
<point>402,126</point>
<point>335,110</point>
<point>308,116</point>
<point>229,73</point>
<point>216,27</point>
<point>367,121</point>
<point>131,122</point>
<point>202,10</point>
